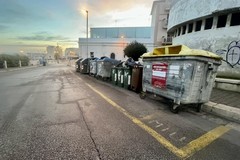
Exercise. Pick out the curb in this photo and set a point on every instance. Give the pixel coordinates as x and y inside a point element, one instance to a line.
<point>15,69</point>
<point>222,110</point>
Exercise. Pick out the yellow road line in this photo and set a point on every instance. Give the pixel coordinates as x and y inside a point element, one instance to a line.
<point>185,151</point>
<point>204,140</point>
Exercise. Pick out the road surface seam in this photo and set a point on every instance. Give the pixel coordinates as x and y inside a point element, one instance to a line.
<point>89,130</point>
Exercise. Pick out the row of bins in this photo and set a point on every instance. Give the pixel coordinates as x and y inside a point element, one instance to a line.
<point>128,77</point>
<point>180,74</point>
<point>98,67</point>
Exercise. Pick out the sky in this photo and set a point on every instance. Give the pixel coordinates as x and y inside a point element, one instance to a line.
<point>31,25</point>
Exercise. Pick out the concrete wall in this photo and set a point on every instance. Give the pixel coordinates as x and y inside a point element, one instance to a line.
<point>186,10</point>
<point>223,41</point>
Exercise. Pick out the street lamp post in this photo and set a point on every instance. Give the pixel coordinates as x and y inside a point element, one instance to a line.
<point>87,31</point>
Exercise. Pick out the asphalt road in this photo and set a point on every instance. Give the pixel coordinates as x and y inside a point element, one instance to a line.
<point>53,112</point>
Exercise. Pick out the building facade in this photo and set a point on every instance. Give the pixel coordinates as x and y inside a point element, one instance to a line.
<point>160,13</point>
<point>212,25</point>
<point>50,52</point>
<point>111,41</point>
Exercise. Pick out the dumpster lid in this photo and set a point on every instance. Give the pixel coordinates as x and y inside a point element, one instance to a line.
<point>178,50</point>
<point>78,60</point>
<point>106,59</point>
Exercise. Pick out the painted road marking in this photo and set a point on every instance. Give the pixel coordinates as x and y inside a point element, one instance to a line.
<point>157,122</point>
<point>165,129</point>
<point>172,134</point>
<point>159,125</point>
<point>182,139</point>
<point>148,117</point>
<point>151,121</point>
<point>184,152</point>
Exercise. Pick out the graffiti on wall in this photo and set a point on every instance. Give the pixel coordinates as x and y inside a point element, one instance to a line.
<point>232,53</point>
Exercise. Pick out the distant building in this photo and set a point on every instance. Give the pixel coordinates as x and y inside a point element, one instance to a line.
<point>111,41</point>
<point>35,56</point>
<point>50,52</point>
<point>212,25</point>
<point>72,53</point>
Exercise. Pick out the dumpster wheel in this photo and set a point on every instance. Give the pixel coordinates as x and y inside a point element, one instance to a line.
<point>174,108</point>
<point>142,95</point>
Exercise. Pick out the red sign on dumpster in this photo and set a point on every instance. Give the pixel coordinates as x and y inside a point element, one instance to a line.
<point>159,75</point>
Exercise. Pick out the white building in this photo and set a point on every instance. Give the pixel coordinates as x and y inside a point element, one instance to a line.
<point>111,41</point>
<point>212,25</point>
<point>50,52</point>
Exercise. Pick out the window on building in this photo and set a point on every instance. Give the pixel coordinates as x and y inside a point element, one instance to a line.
<point>112,55</point>
<point>208,23</point>
<point>235,20</point>
<point>190,27</point>
<point>179,31</point>
<point>222,20</point>
<point>198,25</point>
<point>184,30</point>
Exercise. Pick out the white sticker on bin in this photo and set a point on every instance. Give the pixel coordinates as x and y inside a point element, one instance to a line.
<point>129,79</point>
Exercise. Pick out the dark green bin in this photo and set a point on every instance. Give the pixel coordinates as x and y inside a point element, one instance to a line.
<point>114,75</point>
<point>120,76</point>
<point>127,77</point>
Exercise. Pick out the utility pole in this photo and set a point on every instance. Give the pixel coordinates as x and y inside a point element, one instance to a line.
<point>87,31</point>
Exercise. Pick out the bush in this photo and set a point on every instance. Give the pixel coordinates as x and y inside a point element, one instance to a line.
<point>135,50</point>
<point>13,60</point>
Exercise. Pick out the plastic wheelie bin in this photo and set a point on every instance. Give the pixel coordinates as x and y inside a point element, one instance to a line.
<point>120,76</point>
<point>180,74</point>
<point>114,75</point>
<point>127,76</point>
<point>136,81</point>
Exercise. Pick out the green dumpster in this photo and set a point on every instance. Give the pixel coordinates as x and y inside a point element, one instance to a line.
<point>120,76</point>
<point>114,75</point>
<point>127,77</point>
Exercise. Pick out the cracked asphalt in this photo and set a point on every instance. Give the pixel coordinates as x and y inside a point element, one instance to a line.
<point>52,113</point>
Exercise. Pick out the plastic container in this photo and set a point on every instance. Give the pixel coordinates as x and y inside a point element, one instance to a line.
<point>180,74</point>
<point>127,76</point>
<point>120,76</point>
<point>114,75</point>
<point>136,81</point>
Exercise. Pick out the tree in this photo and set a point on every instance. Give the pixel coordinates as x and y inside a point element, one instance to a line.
<point>58,53</point>
<point>135,50</point>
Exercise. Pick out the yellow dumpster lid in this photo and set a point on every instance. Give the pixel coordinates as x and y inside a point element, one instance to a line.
<point>179,50</point>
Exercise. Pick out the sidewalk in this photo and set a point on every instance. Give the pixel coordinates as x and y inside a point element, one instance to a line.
<point>17,68</point>
<point>224,104</point>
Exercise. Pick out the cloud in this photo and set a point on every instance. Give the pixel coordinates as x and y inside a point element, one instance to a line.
<point>102,6</point>
<point>114,13</point>
<point>42,36</point>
